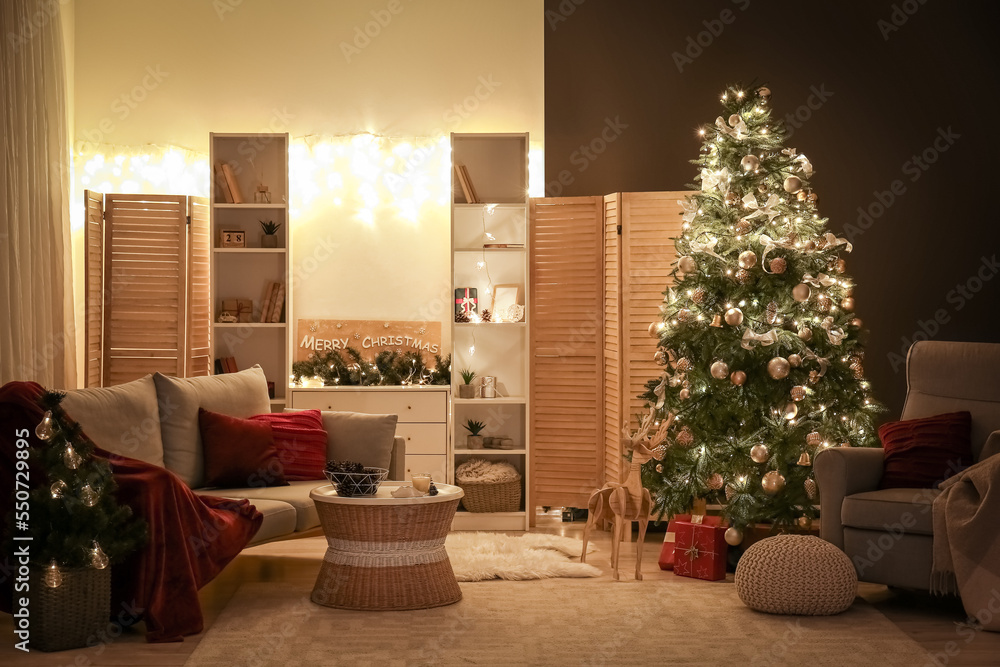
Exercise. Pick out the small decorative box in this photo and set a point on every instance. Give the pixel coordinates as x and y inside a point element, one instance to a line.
<point>466,300</point>
<point>700,551</point>
<point>667,552</point>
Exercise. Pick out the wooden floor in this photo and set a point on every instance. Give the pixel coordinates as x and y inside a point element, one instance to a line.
<point>932,622</point>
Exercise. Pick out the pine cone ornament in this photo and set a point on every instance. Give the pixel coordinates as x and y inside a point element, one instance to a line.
<point>684,315</point>
<point>743,227</point>
<point>461,317</point>
<point>810,486</point>
<point>698,296</point>
<point>772,312</point>
<point>486,315</point>
<point>684,365</point>
<point>730,492</point>
<point>743,277</point>
<point>824,302</point>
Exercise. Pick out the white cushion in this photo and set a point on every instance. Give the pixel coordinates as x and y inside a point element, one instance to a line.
<point>242,395</point>
<point>123,419</point>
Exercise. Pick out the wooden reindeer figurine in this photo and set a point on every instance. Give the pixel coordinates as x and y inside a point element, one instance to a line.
<point>628,501</point>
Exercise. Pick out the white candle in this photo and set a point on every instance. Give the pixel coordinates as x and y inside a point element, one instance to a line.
<point>421,481</point>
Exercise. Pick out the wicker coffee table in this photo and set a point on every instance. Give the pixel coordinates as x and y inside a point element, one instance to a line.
<point>386,553</point>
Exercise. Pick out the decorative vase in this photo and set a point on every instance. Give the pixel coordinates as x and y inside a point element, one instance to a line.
<point>466,391</point>
<point>71,614</point>
<point>474,442</point>
<point>268,241</point>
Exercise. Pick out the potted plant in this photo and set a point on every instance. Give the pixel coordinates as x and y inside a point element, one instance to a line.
<point>269,238</point>
<point>474,440</point>
<point>466,390</point>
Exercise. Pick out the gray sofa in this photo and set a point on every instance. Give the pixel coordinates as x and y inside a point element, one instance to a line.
<point>888,533</point>
<point>155,419</point>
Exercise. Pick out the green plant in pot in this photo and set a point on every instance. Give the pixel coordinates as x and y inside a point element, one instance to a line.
<point>466,390</point>
<point>269,239</point>
<point>474,440</point>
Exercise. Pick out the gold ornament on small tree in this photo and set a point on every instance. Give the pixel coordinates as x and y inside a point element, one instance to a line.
<point>778,265</point>
<point>759,453</point>
<point>773,482</point>
<point>778,368</point>
<point>738,378</point>
<point>719,370</point>
<point>747,259</point>
<point>734,317</point>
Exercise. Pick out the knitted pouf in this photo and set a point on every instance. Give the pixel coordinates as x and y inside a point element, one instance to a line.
<point>796,574</point>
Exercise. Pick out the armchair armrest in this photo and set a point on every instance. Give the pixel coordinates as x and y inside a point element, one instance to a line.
<point>841,472</point>
<point>397,462</point>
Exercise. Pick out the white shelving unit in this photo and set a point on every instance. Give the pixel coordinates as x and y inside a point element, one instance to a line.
<point>497,165</point>
<point>244,273</point>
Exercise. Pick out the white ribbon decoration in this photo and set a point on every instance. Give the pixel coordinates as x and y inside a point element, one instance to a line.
<point>737,130</point>
<point>820,280</point>
<point>708,247</point>
<point>716,179</point>
<point>833,241</point>
<point>835,334</point>
<point>690,207</point>
<point>823,362</point>
<point>765,339</point>
<point>769,246</point>
<point>660,392</point>
<point>804,164</point>
<point>768,209</point>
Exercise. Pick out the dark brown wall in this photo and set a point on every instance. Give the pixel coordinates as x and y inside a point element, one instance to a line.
<point>610,68</point>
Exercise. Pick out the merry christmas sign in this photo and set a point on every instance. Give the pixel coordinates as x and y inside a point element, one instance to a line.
<point>369,337</point>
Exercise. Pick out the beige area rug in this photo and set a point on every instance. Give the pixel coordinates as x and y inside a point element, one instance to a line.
<point>549,622</point>
<point>480,556</point>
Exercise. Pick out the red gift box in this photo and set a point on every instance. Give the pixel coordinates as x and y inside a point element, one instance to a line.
<point>667,552</point>
<point>700,551</point>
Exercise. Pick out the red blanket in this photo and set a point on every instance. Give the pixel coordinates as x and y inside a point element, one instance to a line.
<point>191,538</point>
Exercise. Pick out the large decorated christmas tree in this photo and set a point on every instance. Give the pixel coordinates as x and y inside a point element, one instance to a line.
<point>759,341</point>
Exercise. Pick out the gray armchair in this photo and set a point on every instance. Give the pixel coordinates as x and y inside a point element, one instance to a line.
<point>888,534</point>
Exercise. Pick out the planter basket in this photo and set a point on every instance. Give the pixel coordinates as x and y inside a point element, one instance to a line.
<point>68,616</point>
<point>491,496</point>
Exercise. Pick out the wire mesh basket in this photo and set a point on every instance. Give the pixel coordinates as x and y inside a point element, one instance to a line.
<point>351,484</point>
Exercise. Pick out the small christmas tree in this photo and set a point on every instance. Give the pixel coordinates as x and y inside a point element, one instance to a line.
<point>76,522</point>
<point>759,340</point>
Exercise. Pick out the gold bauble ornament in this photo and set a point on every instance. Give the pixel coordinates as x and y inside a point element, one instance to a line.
<point>687,264</point>
<point>764,93</point>
<point>659,467</point>
<point>801,195</point>
<point>685,438</point>
<point>801,292</point>
<point>798,392</point>
<point>845,444</point>
<point>856,322</point>
<point>813,439</point>
<point>841,266</point>
<point>762,188</point>
<point>805,333</point>
<point>748,259</point>
<point>804,522</point>
<point>749,163</point>
<point>778,368</point>
<point>813,197</point>
<point>738,378</point>
<point>810,246</point>
<point>732,198</point>
<point>847,303</point>
<point>795,360</point>
<point>849,291</point>
<point>790,410</point>
<point>720,370</point>
<point>804,459</point>
<point>759,453</point>
<point>743,228</point>
<point>734,317</point>
<point>778,265</point>
<point>654,329</point>
<point>773,482</point>
<point>698,295</point>
<point>793,184</point>
<point>743,277</point>
<point>810,487</point>
<point>734,536</point>
<point>660,358</point>
<point>684,394</point>
<point>714,481</point>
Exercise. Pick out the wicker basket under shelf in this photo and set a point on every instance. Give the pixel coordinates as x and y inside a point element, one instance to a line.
<point>491,496</point>
<point>68,616</point>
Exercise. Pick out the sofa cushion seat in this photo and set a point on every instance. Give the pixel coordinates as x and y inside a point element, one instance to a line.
<point>889,509</point>
<point>279,517</point>
<point>296,495</point>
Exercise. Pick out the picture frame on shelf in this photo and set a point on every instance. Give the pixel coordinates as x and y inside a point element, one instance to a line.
<point>506,305</point>
<point>233,238</point>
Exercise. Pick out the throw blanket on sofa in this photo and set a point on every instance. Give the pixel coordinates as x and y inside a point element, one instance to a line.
<point>191,538</point>
<point>967,542</point>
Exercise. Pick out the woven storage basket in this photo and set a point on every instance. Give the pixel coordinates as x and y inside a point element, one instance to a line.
<point>491,496</point>
<point>796,574</point>
<point>68,616</point>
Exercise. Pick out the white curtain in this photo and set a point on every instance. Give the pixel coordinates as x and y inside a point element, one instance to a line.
<point>37,333</point>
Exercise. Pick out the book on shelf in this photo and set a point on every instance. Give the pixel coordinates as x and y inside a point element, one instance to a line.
<point>279,302</point>
<point>220,178</point>
<point>265,306</point>
<point>466,190</point>
<point>472,188</point>
<point>234,187</point>
<point>503,245</point>
<point>218,367</point>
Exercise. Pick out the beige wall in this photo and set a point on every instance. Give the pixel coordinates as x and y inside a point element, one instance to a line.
<point>168,73</point>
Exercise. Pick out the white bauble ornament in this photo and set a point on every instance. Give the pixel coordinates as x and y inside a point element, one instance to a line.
<point>750,163</point>
<point>720,370</point>
<point>759,453</point>
<point>773,482</point>
<point>734,317</point>
<point>748,259</point>
<point>778,368</point>
<point>801,292</point>
<point>734,536</point>
<point>687,264</point>
<point>793,184</point>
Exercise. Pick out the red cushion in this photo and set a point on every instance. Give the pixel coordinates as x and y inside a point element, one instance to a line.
<point>301,442</point>
<point>920,453</point>
<point>238,453</point>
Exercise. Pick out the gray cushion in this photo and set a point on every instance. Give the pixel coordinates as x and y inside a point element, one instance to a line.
<point>279,518</point>
<point>897,510</point>
<point>991,447</point>
<point>242,394</point>
<point>353,436</point>
<point>296,494</point>
<point>122,419</point>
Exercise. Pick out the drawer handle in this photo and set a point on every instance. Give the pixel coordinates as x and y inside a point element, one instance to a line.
<point>329,407</point>
<point>409,407</point>
<point>407,437</point>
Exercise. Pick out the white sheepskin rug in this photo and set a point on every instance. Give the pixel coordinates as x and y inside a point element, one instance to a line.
<point>481,556</point>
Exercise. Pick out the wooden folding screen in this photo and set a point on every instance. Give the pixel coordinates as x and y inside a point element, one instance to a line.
<point>565,307</point>
<point>147,293</point>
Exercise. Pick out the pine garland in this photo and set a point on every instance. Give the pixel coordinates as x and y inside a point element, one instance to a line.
<point>350,368</point>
